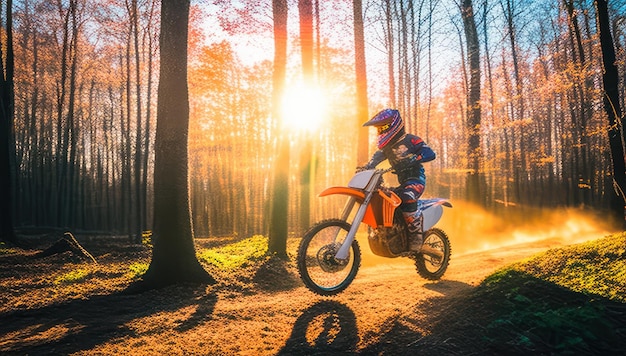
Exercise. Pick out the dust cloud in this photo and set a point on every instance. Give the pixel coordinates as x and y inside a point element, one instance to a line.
<point>472,228</point>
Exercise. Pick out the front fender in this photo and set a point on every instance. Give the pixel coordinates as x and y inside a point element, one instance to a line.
<point>380,210</point>
<point>355,193</point>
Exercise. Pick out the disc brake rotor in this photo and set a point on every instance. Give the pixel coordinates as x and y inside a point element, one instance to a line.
<point>327,261</point>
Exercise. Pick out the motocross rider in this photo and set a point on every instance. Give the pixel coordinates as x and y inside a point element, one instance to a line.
<point>406,153</point>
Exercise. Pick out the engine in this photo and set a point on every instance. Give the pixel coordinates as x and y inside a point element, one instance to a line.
<point>388,241</point>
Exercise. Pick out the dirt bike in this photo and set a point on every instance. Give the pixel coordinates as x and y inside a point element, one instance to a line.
<point>329,256</point>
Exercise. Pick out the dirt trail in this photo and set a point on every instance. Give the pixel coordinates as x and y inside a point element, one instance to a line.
<point>387,304</point>
<point>297,321</point>
<point>387,307</point>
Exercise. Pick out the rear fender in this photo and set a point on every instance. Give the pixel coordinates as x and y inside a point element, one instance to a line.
<point>432,210</point>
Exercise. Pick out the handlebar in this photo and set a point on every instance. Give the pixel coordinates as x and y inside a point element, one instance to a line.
<point>382,171</point>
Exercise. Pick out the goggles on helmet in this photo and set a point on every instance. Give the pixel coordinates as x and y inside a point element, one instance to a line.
<point>384,128</point>
<point>389,125</point>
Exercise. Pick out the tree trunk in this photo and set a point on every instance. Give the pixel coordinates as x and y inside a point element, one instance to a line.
<point>613,109</point>
<point>473,101</point>
<point>147,151</point>
<point>517,99</point>
<point>139,208</point>
<point>173,256</point>
<point>7,232</point>
<point>127,157</point>
<point>362,112</point>
<point>279,212</point>
<point>305,11</point>
<point>389,42</point>
<point>68,214</point>
<point>492,107</point>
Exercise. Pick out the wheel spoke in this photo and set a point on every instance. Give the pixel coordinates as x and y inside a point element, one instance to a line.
<point>326,271</point>
<point>430,267</point>
<point>320,270</point>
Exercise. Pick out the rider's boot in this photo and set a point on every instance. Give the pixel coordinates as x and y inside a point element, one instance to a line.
<point>414,226</point>
<point>414,221</point>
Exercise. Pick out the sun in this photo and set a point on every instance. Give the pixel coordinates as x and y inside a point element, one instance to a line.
<point>303,107</point>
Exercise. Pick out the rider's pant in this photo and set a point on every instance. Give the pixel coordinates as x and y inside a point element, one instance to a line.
<point>410,191</point>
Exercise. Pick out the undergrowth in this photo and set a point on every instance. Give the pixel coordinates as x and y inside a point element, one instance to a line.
<point>563,301</point>
<point>596,267</point>
<point>136,270</point>
<point>235,255</point>
<point>4,250</point>
<point>71,277</point>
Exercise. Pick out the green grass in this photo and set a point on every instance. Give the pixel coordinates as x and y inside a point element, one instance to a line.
<point>564,301</point>
<point>75,276</point>
<point>4,250</point>
<point>227,258</point>
<point>235,255</point>
<point>136,270</point>
<point>146,238</point>
<point>593,268</point>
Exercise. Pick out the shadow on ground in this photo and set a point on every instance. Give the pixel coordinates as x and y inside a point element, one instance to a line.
<point>520,315</point>
<point>80,325</point>
<point>327,327</point>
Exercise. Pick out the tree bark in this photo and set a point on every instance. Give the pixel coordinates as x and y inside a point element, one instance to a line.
<point>139,208</point>
<point>305,11</point>
<point>173,256</point>
<point>362,112</point>
<point>67,243</point>
<point>473,101</point>
<point>389,43</point>
<point>613,109</point>
<point>7,231</point>
<point>279,212</point>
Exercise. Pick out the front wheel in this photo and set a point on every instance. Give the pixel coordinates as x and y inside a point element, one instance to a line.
<point>429,267</point>
<point>320,271</point>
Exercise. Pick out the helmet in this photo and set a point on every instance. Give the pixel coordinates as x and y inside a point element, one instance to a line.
<point>389,125</point>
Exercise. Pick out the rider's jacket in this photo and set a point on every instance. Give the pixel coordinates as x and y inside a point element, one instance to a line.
<point>406,156</point>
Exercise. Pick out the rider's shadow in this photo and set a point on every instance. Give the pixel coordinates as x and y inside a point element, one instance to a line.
<point>327,327</point>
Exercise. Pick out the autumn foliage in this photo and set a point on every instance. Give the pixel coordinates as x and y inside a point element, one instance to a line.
<point>85,89</point>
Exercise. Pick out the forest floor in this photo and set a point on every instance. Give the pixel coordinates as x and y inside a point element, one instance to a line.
<point>62,305</point>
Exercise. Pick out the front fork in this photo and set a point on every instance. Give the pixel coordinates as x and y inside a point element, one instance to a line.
<point>342,254</point>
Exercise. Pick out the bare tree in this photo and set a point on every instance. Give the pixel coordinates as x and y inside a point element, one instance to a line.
<point>612,107</point>
<point>139,214</point>
<point>279,211</point>
<point>7,232</point>
<point>389,47</point>
<point>361,82</point>
<point>305,12</point>
<point>580,106</point>
<point>173,256</point>
<point>473,100</point>
<point>67,126</point>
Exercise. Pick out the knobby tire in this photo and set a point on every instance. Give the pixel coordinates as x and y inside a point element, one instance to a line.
<point>423,263</point>
<point>309,264</point>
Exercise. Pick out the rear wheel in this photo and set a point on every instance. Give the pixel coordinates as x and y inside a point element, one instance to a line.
<point>319,269</point>
<point>430,267</point>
